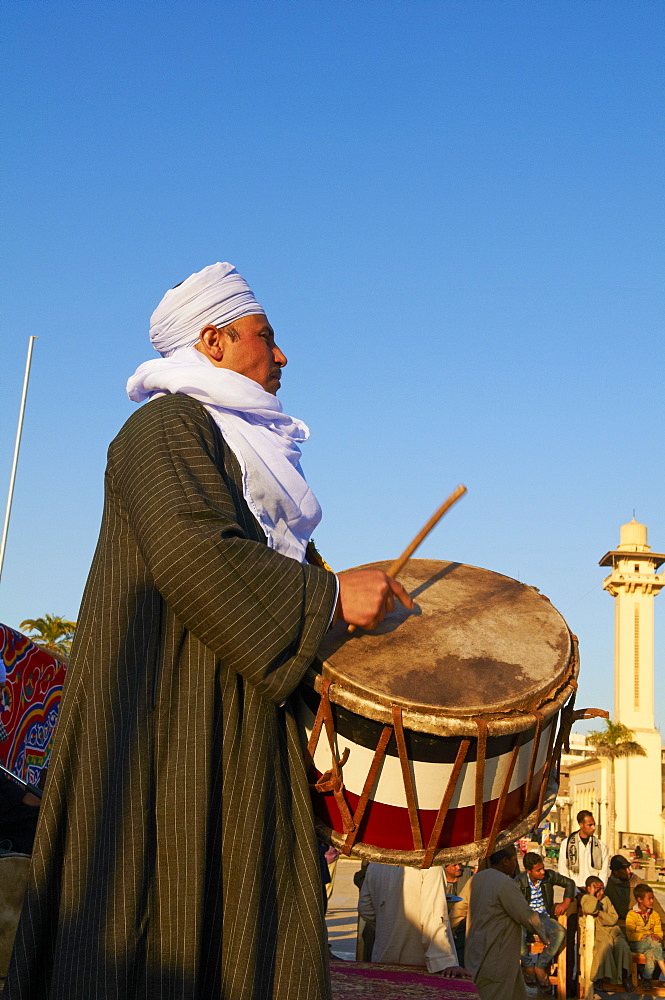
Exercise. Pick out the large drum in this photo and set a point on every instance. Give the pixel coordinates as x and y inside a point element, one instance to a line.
<point>437,736</point>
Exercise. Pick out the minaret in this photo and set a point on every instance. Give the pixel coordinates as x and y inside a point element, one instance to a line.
<point>634,583</point>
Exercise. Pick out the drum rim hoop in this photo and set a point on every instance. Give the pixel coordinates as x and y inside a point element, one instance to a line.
<point>446,723</point>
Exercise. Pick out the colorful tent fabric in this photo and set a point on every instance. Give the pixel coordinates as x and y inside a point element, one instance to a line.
<point>29,704</point>
<point>374,981</point>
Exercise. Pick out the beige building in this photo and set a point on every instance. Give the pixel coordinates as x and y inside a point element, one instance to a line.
<point>633,582</point>
<point>587,793</point>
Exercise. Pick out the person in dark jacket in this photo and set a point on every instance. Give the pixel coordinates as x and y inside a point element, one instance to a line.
<point>537,885</point>
<point>620,885</point>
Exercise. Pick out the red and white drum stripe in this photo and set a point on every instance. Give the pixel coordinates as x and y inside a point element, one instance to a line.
<point>386,821</point>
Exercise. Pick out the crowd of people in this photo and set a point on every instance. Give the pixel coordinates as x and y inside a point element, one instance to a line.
<point>481,924</point>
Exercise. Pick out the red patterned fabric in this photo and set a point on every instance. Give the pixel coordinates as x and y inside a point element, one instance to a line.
<point>29,705</point>
<point>373,981</point>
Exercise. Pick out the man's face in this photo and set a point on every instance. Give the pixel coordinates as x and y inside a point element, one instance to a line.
<point>254,354</point>
<point>537,872</point>
<point>587,826</point>
<point>623,873</point>
<point>509,866</point>
<point>453,871</point>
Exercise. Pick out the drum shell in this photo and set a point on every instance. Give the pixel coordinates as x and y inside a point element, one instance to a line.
<point>385,833</point>
<point>517,739</point>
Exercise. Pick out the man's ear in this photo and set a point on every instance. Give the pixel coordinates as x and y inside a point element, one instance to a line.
<point>211,343</point>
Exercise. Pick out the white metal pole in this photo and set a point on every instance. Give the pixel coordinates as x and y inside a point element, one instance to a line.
<point>17,446</point>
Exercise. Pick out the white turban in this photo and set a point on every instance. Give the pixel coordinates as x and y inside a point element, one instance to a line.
<point>217,295</point>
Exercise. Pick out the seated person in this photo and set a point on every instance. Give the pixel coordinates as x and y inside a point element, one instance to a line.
<point>457,875</point>
<point>409,910</point>
<point>620,887</point>
<point>537,885</point>
<point>645,933</point>
<point>611,954</point>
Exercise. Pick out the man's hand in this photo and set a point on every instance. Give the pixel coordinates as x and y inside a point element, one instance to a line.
<point>455,972</point>
<point>366,596</point>
<point>561,907</point>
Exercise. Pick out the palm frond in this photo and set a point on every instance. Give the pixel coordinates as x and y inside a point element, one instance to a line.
<point>631,749</point>
<point>615,741</point>
<point>51,632</point>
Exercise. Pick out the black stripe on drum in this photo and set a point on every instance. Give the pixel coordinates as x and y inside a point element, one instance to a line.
<point>420,746</point>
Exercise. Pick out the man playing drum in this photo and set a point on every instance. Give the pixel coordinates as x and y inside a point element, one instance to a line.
<point>176,854</point>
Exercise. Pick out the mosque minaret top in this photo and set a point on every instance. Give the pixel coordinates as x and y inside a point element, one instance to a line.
<point>633,544</point>
<point>633,536</point>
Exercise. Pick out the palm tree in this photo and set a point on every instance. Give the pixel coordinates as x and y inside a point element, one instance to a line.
<point>51,633</point>
<point>616,740</point>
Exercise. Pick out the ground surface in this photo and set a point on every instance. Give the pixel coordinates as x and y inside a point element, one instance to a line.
<point>342,917</point>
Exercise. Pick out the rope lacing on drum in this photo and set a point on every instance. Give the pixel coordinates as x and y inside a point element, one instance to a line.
<point>379,754</point>
<point>498,813</point>
<point>331,780</point>
<point>435,836</point>
<point>481,752</point>
<point>407,778</point>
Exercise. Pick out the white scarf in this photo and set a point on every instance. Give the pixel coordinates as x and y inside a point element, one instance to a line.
<point>261,436</point>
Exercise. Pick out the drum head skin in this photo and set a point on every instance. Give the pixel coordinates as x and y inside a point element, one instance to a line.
<point>476,642</point>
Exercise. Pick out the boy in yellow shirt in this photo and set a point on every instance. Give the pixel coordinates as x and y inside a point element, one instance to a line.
<point>645,933</point>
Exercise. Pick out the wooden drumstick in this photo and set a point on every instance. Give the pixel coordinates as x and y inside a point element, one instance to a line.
<point>399,564</point>
<point>424,531</point>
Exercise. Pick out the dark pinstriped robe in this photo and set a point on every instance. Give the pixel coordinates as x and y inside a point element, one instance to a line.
<point>175,855</point>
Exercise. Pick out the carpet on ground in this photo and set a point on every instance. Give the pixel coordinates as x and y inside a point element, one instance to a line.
<point>373,981</point>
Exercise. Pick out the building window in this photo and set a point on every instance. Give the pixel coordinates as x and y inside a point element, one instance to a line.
<point>637,568</point>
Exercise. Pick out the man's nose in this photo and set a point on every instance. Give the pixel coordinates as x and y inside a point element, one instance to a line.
<point>279,357</point>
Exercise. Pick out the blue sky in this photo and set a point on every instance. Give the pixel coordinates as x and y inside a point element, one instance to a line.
<point>453,214</point>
